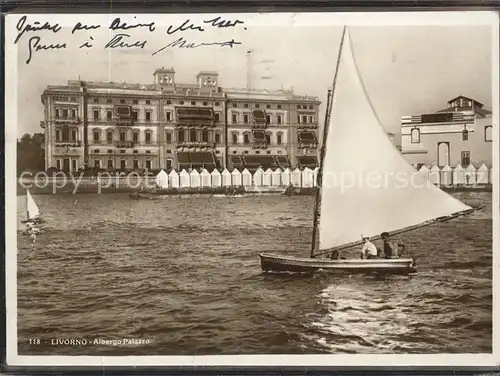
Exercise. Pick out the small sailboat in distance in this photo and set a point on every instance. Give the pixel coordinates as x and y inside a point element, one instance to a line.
<point>32,211</point>
<point>365,185</point>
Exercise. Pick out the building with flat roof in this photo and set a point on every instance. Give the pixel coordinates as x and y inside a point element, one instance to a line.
<point>164,125</point>
<point>459,134</point>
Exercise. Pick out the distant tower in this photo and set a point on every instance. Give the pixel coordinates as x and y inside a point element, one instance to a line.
<point>250,53</point>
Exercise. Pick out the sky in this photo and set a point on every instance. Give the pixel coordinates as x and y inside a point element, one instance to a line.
<point>406,69</point>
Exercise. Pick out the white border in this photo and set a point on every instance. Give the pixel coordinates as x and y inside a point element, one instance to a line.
<point>251,19</point>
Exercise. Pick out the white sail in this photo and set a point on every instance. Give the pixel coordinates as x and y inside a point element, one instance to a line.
<point>32,211</point>
<point>162,179</point>
<point>367,186</point>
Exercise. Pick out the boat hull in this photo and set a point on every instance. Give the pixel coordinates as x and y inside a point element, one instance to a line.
<point>276,263</point>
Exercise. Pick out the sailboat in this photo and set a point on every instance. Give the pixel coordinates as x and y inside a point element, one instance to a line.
<point>32,211</point>
<point>355,148</point>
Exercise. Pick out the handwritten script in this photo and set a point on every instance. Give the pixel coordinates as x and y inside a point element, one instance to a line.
<point>39,35</point>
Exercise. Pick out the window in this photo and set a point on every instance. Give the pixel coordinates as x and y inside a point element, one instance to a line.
<point>169,151</point>
<point>110,163</point>
<point>148,115</point>
<point>135,151</point>
<point>109,115</point>
<point>58,135</point>
<point>279,138</point>
<point>148,137</point>
<point>180,136</point>
<point>465,135</point>
<point>123,164</point>
<point>148,101</point>
<point>217,138</point>
<point>110,151</point>
<point>169,101</point>
<point>245,105</point>
<point>278,118</point>
<point>298,119</point>
<point>73,113</point>
<point>122,101</point>
<point>135,137</point>
<point>148,151</point>
<point>193,103</point>
<point>217,116</point>
<point>246,138</point>
<point>109,100</point>
<point>122,151</point>
<point>268,119</point>
<point>310,119</point>
<point>96,115</point>
<point>135,115</point>
<point>304,119</point>
<point>58,164</point>
<point>97,135</point>
<point>65,134</point>
<point>123,136</point>
<point>57,113</point>
<point>245,152</point>
<point>192,135</point>
<point>97,163</point>
<point>415,136</point>
<point>278,106</point>
<point>268,106</point>
<point>245,118</point>
<point>235,118</point>
<point>73,99</point>
<point>268,138</point>
<point>181,102</point>
<point>168,137</point>
<point>488,133</point>
<point>65,113</point>
<point>257,152</point>
<point>168,116</point>
<point>465,160</point>
<point>96,100</point>
<point>148,164</point>
<point>299,106</point>
<point>235,138</point>
<point>269,152</point>
<point>311,107</point>
<point>73,135</point>
<point>235,105</point>
<point>136,163</point>
<point>109,137</point>
<point>205,103</point>
<point>169,164</point>
<point>217,103</point>
<point>257,105</point>
<point>135,101</point>
<point>204,136</point>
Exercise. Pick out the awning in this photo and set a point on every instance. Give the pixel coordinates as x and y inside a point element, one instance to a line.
<point>307,161</point>
<point>263,161</point>
<point>196,159</point>
<point>259,136</point>
<point>282,161</point>
<point>237,161</point>
<point>307,137</point>
<point>259,116</point>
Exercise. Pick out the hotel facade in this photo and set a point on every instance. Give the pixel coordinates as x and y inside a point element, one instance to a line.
<point>167,125</point>
<point>459,134</point>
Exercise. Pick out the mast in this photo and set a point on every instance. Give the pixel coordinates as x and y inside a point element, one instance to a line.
<point>85,126</point>
<point>317,203</point>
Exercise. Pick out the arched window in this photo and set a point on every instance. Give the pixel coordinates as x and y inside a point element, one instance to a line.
<point>465,135</point>
<point>415,136</point>
<point>488,133</point>
<point>148,136</point>
<point>135,135</point>
<point>246,138</point>
<point>235,138</point>
<point>279,138</point>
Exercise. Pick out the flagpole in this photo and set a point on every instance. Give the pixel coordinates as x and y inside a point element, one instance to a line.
<point>317,203</point>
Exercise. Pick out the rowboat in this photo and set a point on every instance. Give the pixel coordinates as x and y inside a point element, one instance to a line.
<point>355,146</point>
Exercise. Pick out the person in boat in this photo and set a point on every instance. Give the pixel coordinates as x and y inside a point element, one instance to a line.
<point>369,250</point>
<point>392,249</point>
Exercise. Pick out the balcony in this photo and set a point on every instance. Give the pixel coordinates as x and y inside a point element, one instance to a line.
<point>66,120</point>
<point>124,121</point>
<point>307,125</point>
<point>124,144</point>
<point>68,143</point>
<point>196,144</point>
<point>307,140</point>
<point>259,119</point>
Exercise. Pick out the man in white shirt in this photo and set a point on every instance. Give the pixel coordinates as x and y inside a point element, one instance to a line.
<point>369,251</point>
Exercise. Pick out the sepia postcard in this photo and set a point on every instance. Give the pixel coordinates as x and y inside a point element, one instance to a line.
<point>254,189</point>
